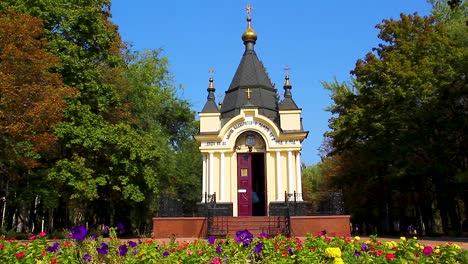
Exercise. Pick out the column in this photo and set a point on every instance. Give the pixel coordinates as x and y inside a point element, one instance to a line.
<point>204,179</point>
<point>299,176</point>
<point>222,183</point>
<point>211,174</point>
<point>279,185</point>
<point>291,166</point>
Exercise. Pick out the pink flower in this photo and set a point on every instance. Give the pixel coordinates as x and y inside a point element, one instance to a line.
<point>42,234</point>
<point>32,237</point>
<point>390,256</point>
<point>53,261</point>
<point>216,261</point>
<point>427,250</point>
<point>20,255</point>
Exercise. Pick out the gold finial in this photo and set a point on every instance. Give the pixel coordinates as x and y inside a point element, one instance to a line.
<point>211,86</point>
<point>249,34</point>
<point>248,92</point>
<point>286,70</point>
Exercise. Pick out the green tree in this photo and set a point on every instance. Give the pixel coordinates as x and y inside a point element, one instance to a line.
<point>404,119</point>
<point>117,146</point>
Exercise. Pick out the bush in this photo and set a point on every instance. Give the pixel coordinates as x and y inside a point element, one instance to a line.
<point>244,248</point>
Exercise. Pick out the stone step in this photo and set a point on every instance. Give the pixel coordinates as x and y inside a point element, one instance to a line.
<point>256,225</point>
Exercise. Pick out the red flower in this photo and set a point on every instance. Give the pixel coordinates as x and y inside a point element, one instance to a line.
<point>20,255</point>
<point>53,261</point>
<point>2,246</point>
<point>379,253</point>
<point>390,256</point>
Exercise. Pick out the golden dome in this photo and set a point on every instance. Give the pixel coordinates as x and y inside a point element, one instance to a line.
<point>249,35</point>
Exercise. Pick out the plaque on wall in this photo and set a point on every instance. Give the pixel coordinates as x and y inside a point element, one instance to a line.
<point>244,172</point>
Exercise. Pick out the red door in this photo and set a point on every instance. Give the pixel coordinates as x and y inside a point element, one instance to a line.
<point>244,184</point>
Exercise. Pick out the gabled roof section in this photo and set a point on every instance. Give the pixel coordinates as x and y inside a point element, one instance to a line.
<point>288,102</point>
<point>210,105</point>
<point>250,72</point>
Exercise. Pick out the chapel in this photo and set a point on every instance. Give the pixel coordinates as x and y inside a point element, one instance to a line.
<point>251,142</point>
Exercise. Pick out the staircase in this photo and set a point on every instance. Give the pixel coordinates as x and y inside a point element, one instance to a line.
<point>222,226</point>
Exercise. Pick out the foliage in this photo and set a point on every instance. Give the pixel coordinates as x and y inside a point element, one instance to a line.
<point>244,248</point>
<point>122,135</point>
<point>398,131</point>
<point>31,101</point>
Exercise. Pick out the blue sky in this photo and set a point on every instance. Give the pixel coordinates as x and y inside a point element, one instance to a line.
<point>318,40</point>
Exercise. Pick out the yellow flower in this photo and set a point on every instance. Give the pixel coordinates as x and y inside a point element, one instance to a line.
<point>421,247</point>
<point>403,238</point>
<point>357,238</point>
<point>456,246</point>
<point>437,251</point>
<point>338,261</point>
<point>415,238</point>
<point>391,244</point>
<point>333,252</point>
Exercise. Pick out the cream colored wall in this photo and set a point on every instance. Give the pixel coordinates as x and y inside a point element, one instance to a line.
<point>290,120</point>
<point>225,141</point>
<point>270,172</point>
<point>209,122</point>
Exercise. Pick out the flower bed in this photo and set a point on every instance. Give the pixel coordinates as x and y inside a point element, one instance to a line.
<point>244,248</point>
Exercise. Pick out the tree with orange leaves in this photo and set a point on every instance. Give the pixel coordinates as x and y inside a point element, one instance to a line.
<point>31,94</point>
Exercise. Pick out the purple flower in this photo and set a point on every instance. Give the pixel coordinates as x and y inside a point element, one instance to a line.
<point>364,247</point>
<point>264,235</point>
<point>323,232</point>
<point>165,254</point>
<point>219,249</point>
<point>132,243</point>
<point>86,257</point>
<point>94,237</point>
<point>357,253</point>
<point>54,247</point>
<point>79,232</point>
<point>104,249</point>
<point>258,248</point>
<point>123,250</point>
<point>106,230</point>
<point>211,240</point>
<point>121,227</point>
<point>291,252</point>
<point>244,236</point>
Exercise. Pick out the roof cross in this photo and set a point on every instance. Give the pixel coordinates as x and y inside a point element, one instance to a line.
<point>248,92</point>
<point>286,69</point>
<point>210,71</point>
<point>248,8</point>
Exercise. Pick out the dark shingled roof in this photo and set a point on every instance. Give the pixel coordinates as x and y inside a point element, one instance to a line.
<point>210,105</point>
<point>250,75</point>
<point>288,103</point>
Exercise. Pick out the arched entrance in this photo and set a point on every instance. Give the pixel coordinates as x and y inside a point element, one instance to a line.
<point>251,173</point>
